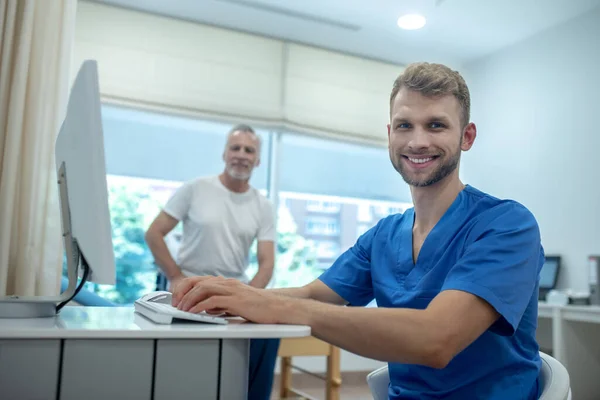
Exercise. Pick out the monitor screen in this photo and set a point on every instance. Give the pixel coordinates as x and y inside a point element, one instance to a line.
<point>549,273</point>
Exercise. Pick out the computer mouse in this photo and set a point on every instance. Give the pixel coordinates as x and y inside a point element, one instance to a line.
<point>159,296</point>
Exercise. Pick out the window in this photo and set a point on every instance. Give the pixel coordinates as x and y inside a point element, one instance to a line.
<point>322,266</point>
<point>323,206</point>
<point>133,204</point>
<point>329,193</point>
<point>364,212</point>
<point>394,210</point>
<point>361,229</point>
<point>148,156</point>
<point>322,226</point>
<point>330,189</point>
<point>162,147</point>
<point>327,249</point>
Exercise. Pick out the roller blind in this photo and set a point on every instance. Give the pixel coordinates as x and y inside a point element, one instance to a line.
<point>339,93</point>
<point>163,62</point>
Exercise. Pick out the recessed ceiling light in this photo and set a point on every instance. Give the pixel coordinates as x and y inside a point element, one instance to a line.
<point>411,21</point>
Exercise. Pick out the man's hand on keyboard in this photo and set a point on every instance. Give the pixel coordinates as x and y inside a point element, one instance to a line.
<point>187,284</point>
<point>175,281</point>
<point>218,295</point>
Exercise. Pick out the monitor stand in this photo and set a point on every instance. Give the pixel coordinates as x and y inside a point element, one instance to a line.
<point>48,306</point>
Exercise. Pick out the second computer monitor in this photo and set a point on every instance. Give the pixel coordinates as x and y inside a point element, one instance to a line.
<point>549,275</point>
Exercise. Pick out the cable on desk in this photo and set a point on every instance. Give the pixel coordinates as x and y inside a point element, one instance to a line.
<point>86,271</point>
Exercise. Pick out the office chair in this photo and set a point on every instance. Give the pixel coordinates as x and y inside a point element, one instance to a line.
<point>379,381</point>
<point>554,379</point>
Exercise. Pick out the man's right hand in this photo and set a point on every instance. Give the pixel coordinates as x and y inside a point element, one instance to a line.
<point>187,284</point>
<point>174,282</point>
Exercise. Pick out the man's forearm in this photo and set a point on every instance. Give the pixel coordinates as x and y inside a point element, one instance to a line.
<point>386,334</point>
<point>162,256</point>
<point>316,290</point>
<point>297,292</point>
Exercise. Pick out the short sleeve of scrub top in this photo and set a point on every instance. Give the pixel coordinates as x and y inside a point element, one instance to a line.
<point>350,274</point>
<point>499,264</point>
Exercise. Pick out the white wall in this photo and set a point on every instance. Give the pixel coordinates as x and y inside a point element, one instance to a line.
<point>536,105</point>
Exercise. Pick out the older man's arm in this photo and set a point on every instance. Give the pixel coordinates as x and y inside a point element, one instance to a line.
<point>266,264</point>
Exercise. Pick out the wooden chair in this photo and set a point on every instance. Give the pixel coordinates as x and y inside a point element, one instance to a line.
<point>309,346</point>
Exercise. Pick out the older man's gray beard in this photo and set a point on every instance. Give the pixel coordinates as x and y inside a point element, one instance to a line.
<point>240,176</point>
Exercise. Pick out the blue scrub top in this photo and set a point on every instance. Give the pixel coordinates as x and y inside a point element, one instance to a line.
<point>482,245</point>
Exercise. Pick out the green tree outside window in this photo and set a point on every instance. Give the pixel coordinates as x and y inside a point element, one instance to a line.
<point>132,209</point>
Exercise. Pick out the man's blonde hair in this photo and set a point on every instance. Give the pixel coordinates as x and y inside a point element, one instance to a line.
<point>434,80</point>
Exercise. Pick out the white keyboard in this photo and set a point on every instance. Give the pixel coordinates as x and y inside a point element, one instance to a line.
<point>164,313</point>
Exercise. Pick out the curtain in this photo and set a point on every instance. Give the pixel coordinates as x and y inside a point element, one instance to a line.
<point>36,40</point>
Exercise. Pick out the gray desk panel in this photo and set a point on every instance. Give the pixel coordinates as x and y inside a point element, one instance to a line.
<point>100,369</point>
<point>29,369</point>
<point>186,369</point>
<point>235,357</point>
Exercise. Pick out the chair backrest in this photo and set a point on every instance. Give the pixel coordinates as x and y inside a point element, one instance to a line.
<point>554,380</point>
<point>379,381</point>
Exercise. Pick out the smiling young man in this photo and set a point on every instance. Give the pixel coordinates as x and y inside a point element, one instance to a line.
<point>455,277</point>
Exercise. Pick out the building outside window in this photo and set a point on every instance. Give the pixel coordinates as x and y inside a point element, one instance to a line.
<point>364,212</point>
<point>361,229</point>
<point>323,206</point>
<point>322,226</point>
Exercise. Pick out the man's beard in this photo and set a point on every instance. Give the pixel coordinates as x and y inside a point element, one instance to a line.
<point>237,175</point>
<point>444,168</point>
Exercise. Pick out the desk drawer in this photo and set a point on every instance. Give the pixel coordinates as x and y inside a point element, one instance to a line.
<point>186,369</point>
<point>29,369</point>
<point>101,369</point>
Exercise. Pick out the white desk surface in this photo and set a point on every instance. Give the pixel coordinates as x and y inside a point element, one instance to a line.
<point>545,310</point>
<point>581,313</point>
<point>125,323</point>
<point>584,313</point>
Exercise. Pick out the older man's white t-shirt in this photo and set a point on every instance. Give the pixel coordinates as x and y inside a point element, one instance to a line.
<point>219,227</point>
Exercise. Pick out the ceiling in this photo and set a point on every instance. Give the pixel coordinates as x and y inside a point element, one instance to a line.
<point>457,31</point>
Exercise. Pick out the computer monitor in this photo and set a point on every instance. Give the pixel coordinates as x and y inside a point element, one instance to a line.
<point>80,151</point>
<point>549,274</point>
<point>83,194</point>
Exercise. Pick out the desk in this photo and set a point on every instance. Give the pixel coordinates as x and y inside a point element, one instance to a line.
<point>115,353</point>
<point>575,338</point>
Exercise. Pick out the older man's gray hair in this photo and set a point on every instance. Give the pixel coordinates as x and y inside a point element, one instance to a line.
<point>246,129</point>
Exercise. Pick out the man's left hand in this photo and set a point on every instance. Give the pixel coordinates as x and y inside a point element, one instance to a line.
<point>229,296</point>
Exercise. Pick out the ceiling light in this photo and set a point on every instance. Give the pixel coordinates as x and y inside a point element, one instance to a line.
<point>411,21</point>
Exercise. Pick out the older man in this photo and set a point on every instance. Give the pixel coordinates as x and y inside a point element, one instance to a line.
<point>222,216</point>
